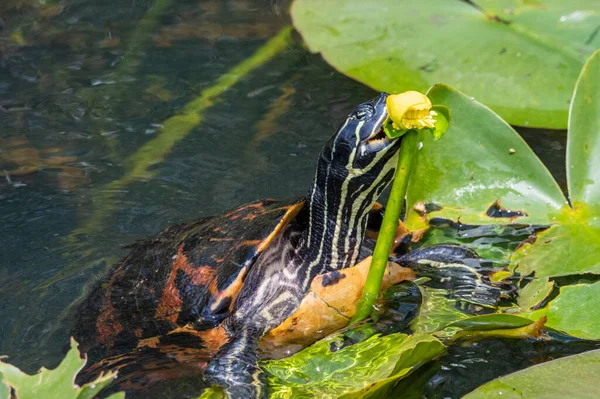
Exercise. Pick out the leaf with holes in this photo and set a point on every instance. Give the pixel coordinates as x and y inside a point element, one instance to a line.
<point>480,172</point>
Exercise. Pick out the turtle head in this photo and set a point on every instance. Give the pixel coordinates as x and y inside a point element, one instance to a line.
<point>354,168</point>
<point>360,157</point>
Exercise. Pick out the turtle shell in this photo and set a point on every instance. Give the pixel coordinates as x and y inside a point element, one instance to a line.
<point>179,283</point>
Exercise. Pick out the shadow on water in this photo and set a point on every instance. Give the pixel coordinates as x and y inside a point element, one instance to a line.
<point>84,85</point>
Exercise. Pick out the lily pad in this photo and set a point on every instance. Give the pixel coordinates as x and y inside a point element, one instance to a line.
<point>490,322</point>
<point>55,384</point>
<point>575,311</point>
<point>520,58</point>
<point>480,172</point>
<point>569,377</point>
<point>561,250</point>
<point>534,293</point>
<point>583,145</point>
<point>367,369</point>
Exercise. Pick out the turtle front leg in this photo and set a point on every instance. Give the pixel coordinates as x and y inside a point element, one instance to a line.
<point>268,297</point>
<point>235,367</point>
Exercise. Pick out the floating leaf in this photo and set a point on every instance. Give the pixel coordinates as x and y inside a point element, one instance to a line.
<point>369,368</point>
<point>55,384</point>
<point>560,251</point>
<point>534,293</point>
<point>576,311</point>
<point>471,176</point>
<point>490,322</point>
<point>570,377</point>
<point>583,144</point>
<point>520,58</point>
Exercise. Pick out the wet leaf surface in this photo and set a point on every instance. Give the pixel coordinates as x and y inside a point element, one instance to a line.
<point>472,170</point>
<point>367,369</point>
<point>533,51</point>
<point>576,311</point>
<point>583,145</point>
<point>570,377</point>
<point>534,293</point>
<point>560,251</point>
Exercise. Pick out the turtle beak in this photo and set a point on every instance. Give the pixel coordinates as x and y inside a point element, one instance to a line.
<point>377,140</point>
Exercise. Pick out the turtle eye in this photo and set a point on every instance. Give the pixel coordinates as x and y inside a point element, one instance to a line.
<point>364,112</point>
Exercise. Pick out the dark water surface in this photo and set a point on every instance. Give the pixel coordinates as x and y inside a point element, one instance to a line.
<point>86,83</point>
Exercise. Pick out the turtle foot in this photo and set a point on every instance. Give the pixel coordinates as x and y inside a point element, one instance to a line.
<point>235,369</point>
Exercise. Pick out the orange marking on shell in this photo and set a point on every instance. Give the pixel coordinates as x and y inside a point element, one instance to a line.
<point>149,342</point>
<point>170,302</point>
<point>106,323</point>
<point>232,291</point>
<point>237,213</point>
<point>213,339</point>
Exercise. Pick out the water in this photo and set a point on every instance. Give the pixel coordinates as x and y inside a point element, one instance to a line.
<point>84,84</point>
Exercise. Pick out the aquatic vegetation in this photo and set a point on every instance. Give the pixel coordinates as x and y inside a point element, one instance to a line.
<point>409,113</point>
<point>172,131</point>
<point>58,383</point>
<point>19,158</point>
<point>499,180</point>
<point>570,377</point>
<point>531,52</point>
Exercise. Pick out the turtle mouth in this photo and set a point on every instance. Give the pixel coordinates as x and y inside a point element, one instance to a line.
<point>377,141</point>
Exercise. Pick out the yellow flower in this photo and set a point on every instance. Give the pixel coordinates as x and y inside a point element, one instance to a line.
<point>410,110</point>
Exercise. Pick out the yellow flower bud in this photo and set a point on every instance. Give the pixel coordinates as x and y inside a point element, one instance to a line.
<point>410,110</point>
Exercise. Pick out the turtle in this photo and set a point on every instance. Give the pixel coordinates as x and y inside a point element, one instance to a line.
<point>204,293</point>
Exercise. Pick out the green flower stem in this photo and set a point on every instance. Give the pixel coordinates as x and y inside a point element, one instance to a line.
<point>406,161</point>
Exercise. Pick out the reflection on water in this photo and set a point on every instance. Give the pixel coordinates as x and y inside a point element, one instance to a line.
<point>84,84</point>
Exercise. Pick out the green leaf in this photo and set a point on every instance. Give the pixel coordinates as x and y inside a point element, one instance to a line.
<point>520,58</point>
<point>490,322</point>
<point>583,144</point>
<point>214,392</point>
<point>367,369</point>
<point>391,131</point>
<point>58,383</point>
<point>442,121</point>
<point>569,377</point>
<point>480,164</point>
<point>534,293</point>
<point>561,250</point>
<point>576,311</point>
<point>4,388</point>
